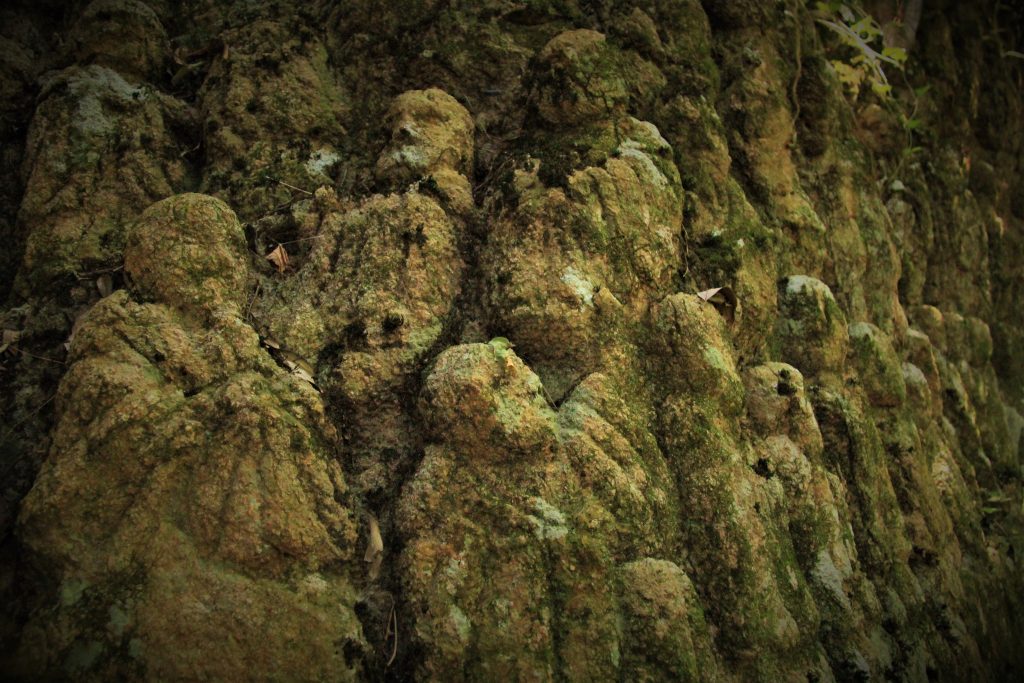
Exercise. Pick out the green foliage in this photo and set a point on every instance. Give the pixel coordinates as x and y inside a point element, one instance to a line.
<point>501,346</point>
<point>862,34</point>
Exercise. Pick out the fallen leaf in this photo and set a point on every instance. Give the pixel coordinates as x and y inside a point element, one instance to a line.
<point>305,367</point>
<point>723,299</point>
<point>10,338</point>
<point>374,546</point>
<point>305,377</point>
<point>279,257</point>
<point>105,284</point>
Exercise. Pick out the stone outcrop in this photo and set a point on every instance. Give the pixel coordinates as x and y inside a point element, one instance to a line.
<point>581,341</point>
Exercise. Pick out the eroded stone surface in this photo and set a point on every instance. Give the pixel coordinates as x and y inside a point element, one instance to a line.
<point>479,425</point>
<point>100,150</point>
<point>189,476</point>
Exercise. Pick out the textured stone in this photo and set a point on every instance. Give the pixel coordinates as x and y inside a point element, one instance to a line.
<point>812,328</point>
<point>190,481</point>
<point>99,151</point>
<point>124,35</point>
<point>479,425</point>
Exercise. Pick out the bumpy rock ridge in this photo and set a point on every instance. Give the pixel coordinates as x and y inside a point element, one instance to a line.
<point>487,345</point>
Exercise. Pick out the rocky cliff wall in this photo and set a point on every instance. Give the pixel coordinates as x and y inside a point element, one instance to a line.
<point>471,419</point>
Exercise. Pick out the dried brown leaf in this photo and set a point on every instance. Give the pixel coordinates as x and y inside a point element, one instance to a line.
<point>10,338</point>
<point>305,377</point>
<point>105,285</point>
<point>723,299</point>
<point>279,257</point>
<point>374,546</point>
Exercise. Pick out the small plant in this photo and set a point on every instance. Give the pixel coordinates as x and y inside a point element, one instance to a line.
<point>859,31</point>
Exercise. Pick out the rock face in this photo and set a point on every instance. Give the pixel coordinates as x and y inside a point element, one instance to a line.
<point>204,475</point>
<point>383,341</point>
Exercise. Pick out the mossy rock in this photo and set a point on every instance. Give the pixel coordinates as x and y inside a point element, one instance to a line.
<point>124,35</point>
<point>383,275</point>
<point>579,78</point>
<point>811,331</point>
<point>571,271</point>
<point>484,400</point>
<point>930,321</point>
<point>513,555</point>
<point>617,459</point>
<point>690,341</point>
<point>666,636</point>
<point>114,154</point>
<point>431,132</point>
<point>188,473</point>
<point>777,403</point>
<point>878,366</point>
<point>189,252</point>
<point>273,114</point>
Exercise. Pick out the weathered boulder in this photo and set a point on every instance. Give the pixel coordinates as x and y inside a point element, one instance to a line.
<point>572,269</point>
<point>431,133</point>
<point>580,79</point>
<point>666,635</point>
<point>812,333</point>
<point>124,35</point>
<point>99,151</point>
<point>190,479</point>
<point>872,354</point>
<point>494,458</point>
<point>272,117</point>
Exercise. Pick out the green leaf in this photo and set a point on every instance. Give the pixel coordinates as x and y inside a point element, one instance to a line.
<point>922,91</point>
<point>501,346</point>
<point>847,74</point>
<point>881,89</point>
<point>897,54</point>
<point>912,124</point>
<point>866,28</point>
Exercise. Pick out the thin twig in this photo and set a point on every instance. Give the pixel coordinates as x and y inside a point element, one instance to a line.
<point>392,620</point>
<point>255,295</point>
<point>189,151</point>
<point>89,274</point>
<point>303,239</point>
<point>32,355</point>
<point>297,189</point>
<point>13,427</point>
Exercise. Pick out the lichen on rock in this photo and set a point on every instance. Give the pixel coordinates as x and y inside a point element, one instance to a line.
<point>542,340</point>
<point>114,153</point>
<point>188,472</point>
